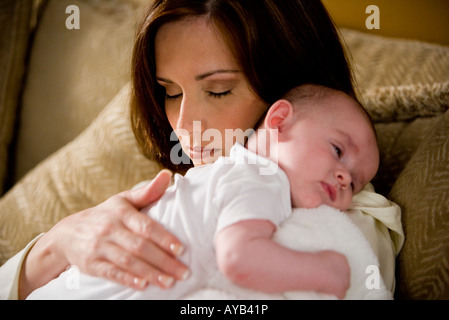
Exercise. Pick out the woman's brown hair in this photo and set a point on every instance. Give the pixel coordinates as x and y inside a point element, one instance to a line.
<point>279,44</point>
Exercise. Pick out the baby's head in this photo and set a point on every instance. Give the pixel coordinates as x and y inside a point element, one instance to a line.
<point>326,144</point>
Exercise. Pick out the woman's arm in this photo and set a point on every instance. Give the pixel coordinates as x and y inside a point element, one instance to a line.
<point>248,257</point>
<point>112,240</point>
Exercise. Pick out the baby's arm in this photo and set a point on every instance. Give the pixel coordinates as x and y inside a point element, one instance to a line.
<point>247,256</point>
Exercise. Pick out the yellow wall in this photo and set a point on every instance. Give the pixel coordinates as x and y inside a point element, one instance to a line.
<point>426,20</point>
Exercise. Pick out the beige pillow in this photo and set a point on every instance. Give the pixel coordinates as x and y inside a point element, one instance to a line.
<point>15,28</point>
<point>398,141</point>
<point>399,79</point>
<point>99,163</point>
<point>422,191</point>
<point>73,74</point>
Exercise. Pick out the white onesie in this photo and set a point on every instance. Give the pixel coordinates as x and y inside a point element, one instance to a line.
<point>206,200</point>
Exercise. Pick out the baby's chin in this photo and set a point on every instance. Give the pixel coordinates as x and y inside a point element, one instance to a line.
<point>308,203</point>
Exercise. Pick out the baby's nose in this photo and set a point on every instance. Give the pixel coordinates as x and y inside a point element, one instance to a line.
<point>343,178</point>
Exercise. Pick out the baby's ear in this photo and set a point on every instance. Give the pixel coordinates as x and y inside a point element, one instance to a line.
<point>279,115</point>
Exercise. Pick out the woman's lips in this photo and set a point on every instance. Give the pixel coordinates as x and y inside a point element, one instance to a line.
<point>330,190</point>
<point>201,153</point>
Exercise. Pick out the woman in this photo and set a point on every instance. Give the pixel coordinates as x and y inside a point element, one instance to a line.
<point>219,62</point>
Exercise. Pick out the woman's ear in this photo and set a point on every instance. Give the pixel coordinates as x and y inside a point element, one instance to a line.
<point>279,115</point>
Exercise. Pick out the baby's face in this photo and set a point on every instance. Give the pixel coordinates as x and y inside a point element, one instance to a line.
<point>330,154</point>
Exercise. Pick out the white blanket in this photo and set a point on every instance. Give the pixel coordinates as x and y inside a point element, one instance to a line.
<point>323,228</point>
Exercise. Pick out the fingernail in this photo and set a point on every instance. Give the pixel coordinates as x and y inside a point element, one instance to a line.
<point>140,283</point>
<point>185,275</point>
<point>168,171</point>
<point>165,281</point>
<point>177,249</point>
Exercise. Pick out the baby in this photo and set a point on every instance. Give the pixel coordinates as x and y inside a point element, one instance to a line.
<point>323,150</point>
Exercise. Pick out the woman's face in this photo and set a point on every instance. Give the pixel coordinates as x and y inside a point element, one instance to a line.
<point>207,95</point>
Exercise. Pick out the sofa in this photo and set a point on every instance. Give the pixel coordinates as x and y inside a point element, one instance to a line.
<point>66,142</point>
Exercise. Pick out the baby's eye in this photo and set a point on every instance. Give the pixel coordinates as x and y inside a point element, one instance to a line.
<point>338,151</point>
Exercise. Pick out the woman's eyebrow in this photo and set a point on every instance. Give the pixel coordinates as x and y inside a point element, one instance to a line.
<point>201,76</point>
<point>211,73</point>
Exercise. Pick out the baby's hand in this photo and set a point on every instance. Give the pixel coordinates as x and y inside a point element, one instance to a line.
<point>338,273</point>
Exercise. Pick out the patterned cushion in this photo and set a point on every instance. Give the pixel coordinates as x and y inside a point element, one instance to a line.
<point>399,79</point>
<point>101,162</point>
<point>398,141</point>
<point>422,191</point>
<point>72,74</point>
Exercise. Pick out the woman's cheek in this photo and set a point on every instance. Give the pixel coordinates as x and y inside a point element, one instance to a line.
<point>172,115</point>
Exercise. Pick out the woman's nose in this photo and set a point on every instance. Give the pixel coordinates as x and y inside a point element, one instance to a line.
<point>185,116</point>
<point>190,114</point>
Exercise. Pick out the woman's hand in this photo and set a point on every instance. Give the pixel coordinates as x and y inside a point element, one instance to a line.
<point>112,240</point>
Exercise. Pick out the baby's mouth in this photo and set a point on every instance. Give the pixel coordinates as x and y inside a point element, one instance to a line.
<point>330,190</point>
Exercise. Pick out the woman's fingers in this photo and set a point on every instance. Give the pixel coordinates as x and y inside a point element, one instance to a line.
<point>128,270</point>
<point>153,231</point>
<point>148,229</point>
<point>114,240</point>
<point>107,270</point>
<point>145,258</point>
<point>150,192</point>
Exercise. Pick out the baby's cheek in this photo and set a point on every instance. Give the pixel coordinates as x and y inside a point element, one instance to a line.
<point>309,200</point>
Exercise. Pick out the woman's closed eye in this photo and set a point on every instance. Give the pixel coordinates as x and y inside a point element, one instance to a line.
<point>218,95</point>
<point>173,97</point>
<point>215,95</point>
